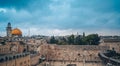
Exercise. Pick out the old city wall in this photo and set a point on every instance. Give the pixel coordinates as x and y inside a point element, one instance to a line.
<point>20,61</point>
<point>115,45</point>
<point>73,52</point>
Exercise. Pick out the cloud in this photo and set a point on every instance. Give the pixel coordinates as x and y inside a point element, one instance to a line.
<point>63,32</point>
<point>2,10</point>
<point>60,16</point>
<point>17,4</point>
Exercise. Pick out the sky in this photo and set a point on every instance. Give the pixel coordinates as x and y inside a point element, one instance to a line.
<point>61,17</point>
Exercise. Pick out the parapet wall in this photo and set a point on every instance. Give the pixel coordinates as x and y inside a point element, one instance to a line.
<point>15,60</point>
<point>106,59</point>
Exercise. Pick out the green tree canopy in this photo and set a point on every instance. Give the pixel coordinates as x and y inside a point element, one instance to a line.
<point>71,39</point>
<point>53,40</point>
<point>92,39</point>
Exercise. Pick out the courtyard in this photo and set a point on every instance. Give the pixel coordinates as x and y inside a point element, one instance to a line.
<point>58,63</point>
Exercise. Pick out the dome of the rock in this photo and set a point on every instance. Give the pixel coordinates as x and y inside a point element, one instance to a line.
<point>16,31</point>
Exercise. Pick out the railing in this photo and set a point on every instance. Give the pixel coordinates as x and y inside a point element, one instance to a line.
<point>106,59</point>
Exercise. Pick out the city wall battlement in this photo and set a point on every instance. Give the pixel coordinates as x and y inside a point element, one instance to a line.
<point>20,59</point>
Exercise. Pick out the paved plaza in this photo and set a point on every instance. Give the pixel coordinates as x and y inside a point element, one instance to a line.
<point>72,63</point>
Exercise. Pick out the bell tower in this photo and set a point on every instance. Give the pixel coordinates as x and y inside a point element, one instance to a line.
<point>9,29</point>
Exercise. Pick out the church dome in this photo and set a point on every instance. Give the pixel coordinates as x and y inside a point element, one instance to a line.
<point>16,31</point>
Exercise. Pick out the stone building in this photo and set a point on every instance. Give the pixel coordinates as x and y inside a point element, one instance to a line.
<point>12,47</point>
<point>13,32</point>
<point>4,49</point>
<point>16,46</point>
<point>21,59</point>
<point>112,43</point>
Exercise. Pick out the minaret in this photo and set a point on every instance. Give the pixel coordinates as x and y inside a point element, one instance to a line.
<point>9,29</point>
<point>83,34</point>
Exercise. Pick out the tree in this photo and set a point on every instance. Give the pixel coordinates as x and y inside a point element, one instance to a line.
<point>53,40</point>
<point>62,41</point>
<point>92,39</point>
<point>71,39</point>
<point>78,40</point>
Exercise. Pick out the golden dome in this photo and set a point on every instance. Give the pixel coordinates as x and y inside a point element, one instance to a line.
<point>16,31</point>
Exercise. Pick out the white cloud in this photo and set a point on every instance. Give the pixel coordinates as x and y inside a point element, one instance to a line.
<point>3,10</point>
<point>63,32</point>
<point>62,17</point>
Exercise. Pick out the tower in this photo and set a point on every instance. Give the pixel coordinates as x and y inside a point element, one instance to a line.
<point>9,29</point>
<point>83,34</point>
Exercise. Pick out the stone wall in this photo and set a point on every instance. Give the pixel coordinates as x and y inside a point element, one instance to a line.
<point>4,49</point>
<point>115,45</point>
<point>15,60</point>
<point>72,52</point>
<point>34,60</point>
